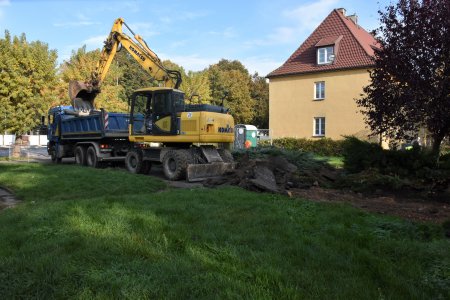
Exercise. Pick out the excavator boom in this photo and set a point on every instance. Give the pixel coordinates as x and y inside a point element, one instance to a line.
<point>138,49</point>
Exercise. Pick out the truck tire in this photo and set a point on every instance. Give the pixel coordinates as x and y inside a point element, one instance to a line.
<point>226,155</point>
<point>91,157</point>
<point>174,164</point>
<point>135,164</point>
<point>80,155</point>
<point>54,155</point>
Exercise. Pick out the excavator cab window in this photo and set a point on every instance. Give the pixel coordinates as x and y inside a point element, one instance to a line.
<point>142,114</point>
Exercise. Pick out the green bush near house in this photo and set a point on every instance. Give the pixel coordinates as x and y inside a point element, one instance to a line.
<point>323,146</point>
<point>372,167</point>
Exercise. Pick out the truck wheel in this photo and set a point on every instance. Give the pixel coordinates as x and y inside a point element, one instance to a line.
<point>134,163</point>
<point>91,157</point>
<point>54,155</point>
<point>226,155</point>
<point>80,155</point>
<point>174,164</point>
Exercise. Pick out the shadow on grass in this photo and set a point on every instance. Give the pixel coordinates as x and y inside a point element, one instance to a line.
<point>225,243</point>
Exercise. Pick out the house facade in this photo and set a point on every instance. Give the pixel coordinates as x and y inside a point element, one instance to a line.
<point>312,95</point>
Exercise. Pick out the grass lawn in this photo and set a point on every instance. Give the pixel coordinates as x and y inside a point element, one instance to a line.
<point>88,233</point>
<point>335,161</point>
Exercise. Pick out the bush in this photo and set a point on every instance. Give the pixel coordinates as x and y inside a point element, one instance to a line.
<point>360,155</point>
<point>416,164</point>
<point>323,146</point>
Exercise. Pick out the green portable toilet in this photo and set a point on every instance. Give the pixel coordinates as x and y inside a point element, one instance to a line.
<point>245,136</point>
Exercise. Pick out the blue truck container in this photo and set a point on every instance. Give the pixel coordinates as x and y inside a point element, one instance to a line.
<point>92,138</point>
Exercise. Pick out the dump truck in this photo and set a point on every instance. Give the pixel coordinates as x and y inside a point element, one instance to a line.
<point>193,141</point>
<point>92,138</point>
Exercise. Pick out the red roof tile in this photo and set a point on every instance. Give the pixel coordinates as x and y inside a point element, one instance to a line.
<point>354,50</point>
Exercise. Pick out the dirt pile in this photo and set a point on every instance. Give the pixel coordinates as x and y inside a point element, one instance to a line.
<point>274,174</point>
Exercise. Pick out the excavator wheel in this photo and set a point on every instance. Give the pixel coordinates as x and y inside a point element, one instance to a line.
<point>175,163</point>
<point>133,161</point>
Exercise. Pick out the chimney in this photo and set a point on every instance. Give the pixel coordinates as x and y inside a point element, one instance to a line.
<point>341,10</point>
<point>354,18</point>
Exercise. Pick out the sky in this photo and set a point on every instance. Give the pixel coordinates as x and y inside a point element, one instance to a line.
<point>262,34</point>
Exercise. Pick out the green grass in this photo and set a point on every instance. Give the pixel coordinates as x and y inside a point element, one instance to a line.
<point>335,161</point>
<point>84,233</point>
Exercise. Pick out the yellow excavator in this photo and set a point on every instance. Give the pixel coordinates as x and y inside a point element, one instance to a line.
<point>193,140</point>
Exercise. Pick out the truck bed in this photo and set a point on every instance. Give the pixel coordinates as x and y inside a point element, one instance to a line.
<point>93,126</point>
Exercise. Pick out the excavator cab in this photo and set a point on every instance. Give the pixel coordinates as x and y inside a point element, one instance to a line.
<point>154,111</point>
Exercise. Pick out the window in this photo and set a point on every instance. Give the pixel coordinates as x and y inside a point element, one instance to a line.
<point>324,55</point>
<point>319,90</point>
<point>319,126</point>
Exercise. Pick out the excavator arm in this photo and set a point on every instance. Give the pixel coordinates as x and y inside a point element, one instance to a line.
<point>138,49</point>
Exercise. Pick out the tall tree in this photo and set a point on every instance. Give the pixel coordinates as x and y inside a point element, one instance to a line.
<point>27,80</point>
<point>133,75</point>
<point>230,82</point>
<point>259,90</point>
<point>411,80</point>
<point>196,87</point>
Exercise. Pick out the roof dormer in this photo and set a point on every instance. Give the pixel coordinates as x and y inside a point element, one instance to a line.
<point>327,49</point>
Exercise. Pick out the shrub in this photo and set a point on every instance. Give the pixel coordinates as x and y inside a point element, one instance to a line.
<point>323,146</point>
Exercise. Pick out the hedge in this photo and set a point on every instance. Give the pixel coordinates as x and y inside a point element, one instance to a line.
<point>323,146</point>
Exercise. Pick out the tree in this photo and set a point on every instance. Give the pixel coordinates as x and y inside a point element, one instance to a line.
<point>230,82</point>
<point>133,75</point>
<point>27,80</point>
<point>410,85</point>
<point>259,91</point>
<point>196,87</point>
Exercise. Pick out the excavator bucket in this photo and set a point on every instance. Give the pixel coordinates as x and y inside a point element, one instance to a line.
<point>200,172</point>
<point>82,90</point>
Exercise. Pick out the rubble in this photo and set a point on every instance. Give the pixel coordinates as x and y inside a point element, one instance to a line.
<point>274,174</point>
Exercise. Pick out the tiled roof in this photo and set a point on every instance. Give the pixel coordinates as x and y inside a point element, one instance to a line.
<point>353,50</point>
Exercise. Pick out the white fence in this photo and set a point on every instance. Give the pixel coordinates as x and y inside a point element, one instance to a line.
<point>33,140</point>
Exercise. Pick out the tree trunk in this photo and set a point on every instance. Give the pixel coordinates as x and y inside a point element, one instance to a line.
<point>436,146</point>
<point>17,146</point>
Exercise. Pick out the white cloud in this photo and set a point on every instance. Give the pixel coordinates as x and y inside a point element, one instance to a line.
<point>183,16</point>
<point>262,65</point>
<point>94,42</point>
<point>75,24</point>
<point>193,62</point>
<point>302,19</point>
<point>308,16</point>
<point>228,32</point>
<point>81,20</point>
<point>144,29</point>
<point>3,3</point>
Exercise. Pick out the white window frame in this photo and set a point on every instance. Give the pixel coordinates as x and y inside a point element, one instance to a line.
<point>329,50</point>
<point>322,126</point>
<point>318,84</point>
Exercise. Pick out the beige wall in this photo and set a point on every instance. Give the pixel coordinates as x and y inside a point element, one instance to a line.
<point>292,107</point>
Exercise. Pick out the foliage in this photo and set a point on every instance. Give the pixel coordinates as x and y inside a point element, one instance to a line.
<point>410,85</point>
<point>394,165</point>
<point>196,87</point>
<point>230,82</point>
<point>259,91</point>
<point>323,146</point>
<point>27,80</point>
<point>133,76</point>
<point>112,235</point>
